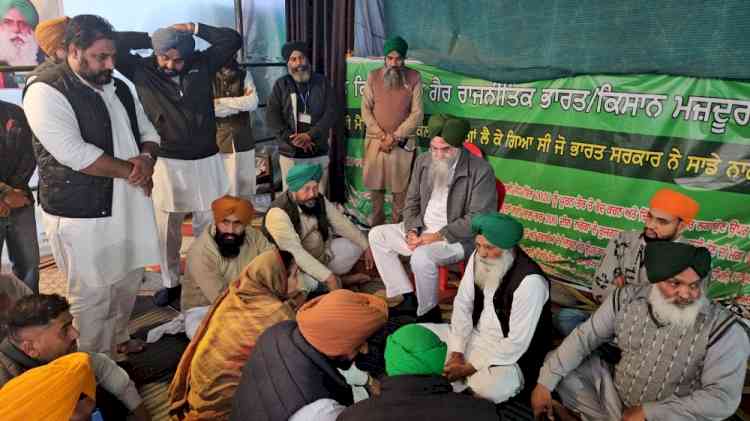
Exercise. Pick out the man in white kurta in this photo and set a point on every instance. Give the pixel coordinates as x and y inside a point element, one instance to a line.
<point>235,99</point>
<point>175,87</point>
<point>483,354</point>
<point>103,258</point>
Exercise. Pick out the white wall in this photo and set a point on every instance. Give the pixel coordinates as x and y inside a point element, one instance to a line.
<point>149,15</point>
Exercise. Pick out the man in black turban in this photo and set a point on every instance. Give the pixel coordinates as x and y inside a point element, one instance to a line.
<point>301,110</point>
<point>683,357</point>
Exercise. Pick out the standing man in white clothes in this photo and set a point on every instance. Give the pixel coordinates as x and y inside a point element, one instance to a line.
<point>95,149</point>
<point>175,85</point>
<point>235,99</point>
<point>448,187</point>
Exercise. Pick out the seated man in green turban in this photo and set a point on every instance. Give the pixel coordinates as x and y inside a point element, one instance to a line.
<point>683,357</point>
<point>501,325</point>
<point>448,187</point>
<point>303,222</point>
<point>414,388</point>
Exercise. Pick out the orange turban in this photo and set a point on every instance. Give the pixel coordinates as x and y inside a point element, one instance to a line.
<point>49,34</point>
<point>339,322</point>
<point>675,204</point>
<point>230,205</point>
<point>49,392</point>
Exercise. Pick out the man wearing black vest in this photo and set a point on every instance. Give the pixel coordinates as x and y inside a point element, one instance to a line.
<point>176,86</point>
<point>501,324</point>
<point>302,222</point>
<point>234,101</point>
<point>301,111</point>
<point>294,370</point>
<point>95,149</point>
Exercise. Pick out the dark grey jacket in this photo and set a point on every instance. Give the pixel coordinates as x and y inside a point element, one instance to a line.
<point>471,192</point>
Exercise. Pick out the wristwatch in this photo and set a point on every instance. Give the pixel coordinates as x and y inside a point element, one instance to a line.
<point>150,155</point>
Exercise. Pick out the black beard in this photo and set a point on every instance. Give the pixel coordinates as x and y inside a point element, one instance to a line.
<point>229,244</point>
<point>656,240</point>
<point>314,210</point>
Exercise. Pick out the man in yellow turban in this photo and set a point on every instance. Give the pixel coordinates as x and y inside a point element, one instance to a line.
<point>218,256</point>
<point>62,390</point>
<point>292,373</point>
<point>41,332</point>
<point>50,34</point>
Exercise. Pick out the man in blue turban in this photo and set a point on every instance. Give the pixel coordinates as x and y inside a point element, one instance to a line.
<point>175,85</point>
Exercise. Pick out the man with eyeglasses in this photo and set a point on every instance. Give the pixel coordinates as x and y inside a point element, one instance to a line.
<point>449,186</point>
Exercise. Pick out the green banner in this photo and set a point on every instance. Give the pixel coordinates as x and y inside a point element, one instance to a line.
<point>581,157</point>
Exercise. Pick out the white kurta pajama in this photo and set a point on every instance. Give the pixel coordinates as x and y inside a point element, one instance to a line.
<point>240,166</point>
<point>389,241</point>
<point>182,187</point>
<point>103,258</point>
<point>494,356</point>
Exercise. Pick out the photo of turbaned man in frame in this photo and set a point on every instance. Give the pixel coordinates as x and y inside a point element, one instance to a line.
<point>18,47</point>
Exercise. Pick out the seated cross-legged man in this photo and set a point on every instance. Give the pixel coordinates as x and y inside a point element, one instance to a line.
<point>218,257</point>
<point>40,330</point>
<point>293,373</point>
<point>303,222</point>
<point>501,325</point>
<point>684,357</point>
<point>447,188</point>
<point>209,371</point>
<point>415,388</point>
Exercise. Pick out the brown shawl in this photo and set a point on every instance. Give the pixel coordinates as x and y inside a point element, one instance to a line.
<point>209,371</point>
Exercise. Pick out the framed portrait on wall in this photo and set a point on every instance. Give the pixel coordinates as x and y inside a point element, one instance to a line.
<point>18,47</point>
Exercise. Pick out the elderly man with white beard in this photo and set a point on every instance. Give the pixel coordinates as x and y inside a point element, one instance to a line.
<point>683,356</point>
<point>449,186</point>
<point>392,110</point>
<point>501,326</point>
<point>18,18</point>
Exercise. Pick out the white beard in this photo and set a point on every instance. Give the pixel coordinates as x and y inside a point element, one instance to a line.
<point>18,55</point>
<point>494,269</point>
<point>441,172</point>
<point>668,312</point>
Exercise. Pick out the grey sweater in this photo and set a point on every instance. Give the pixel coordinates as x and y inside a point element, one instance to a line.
<point>675,374</point>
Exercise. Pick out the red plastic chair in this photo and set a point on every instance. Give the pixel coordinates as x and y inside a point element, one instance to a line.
<point>444,291</point>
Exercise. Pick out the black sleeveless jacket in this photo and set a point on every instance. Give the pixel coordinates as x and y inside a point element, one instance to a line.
<point>62,190</point>
<point>285,203</point>
<point>541,342</point>
<point>284,374</point>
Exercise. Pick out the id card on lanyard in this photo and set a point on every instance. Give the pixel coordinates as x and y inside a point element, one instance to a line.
<point>304,116</point>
